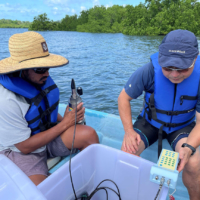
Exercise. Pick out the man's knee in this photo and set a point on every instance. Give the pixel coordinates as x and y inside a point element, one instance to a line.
<point>193,165</point>
<point>88,135</point>
<point>92,136</point>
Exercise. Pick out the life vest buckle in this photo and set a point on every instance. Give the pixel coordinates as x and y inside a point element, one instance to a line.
<point>47,112</point>
<point>151,106</point>
<point>167,124</point>
<point>45,92</point>
<point>173,125</point>
<point>169,112</point>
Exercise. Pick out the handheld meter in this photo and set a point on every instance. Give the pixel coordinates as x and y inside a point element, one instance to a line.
<point>165,169</point>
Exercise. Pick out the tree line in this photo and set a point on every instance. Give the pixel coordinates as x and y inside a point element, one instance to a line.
<point>154,17</point>
<point>7,23</point>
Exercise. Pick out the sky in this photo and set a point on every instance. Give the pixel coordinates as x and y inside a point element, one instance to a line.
<point>26,10</point>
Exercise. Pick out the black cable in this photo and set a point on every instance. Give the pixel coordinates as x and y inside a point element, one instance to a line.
<point>96,189</point>
<point>72,151</point>
<point>101,188</point>
<point>110,181</point>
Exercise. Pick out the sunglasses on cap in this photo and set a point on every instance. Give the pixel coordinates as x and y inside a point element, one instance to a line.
<point>170,69</point>
<point>40,70</point>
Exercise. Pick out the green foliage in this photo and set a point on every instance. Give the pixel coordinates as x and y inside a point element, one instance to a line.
<point>7,23</point>
<point>42,23</point>
<point>154,17</point>
<point>104,20</point>
<point>158,17</point>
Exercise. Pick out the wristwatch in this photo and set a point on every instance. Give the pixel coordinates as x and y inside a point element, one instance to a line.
<point>190,147</point>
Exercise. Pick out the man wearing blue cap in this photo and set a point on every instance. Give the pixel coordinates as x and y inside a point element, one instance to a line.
<point>172,100</point>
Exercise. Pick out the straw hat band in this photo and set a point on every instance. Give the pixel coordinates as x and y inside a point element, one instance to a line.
<point>34,58</point>
<point>28,55</point>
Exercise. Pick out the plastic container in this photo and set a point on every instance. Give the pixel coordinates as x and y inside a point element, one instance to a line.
<point>99,162</point>
<point>14,184</point>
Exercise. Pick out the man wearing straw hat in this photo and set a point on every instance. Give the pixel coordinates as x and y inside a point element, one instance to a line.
<point>29,108</point>
<point>172,99</point>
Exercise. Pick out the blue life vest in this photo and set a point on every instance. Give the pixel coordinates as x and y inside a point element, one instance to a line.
<point>171,106</point>
<point>43,101</point>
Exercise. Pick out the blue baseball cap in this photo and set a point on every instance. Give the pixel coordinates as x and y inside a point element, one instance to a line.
<point>178,49</point>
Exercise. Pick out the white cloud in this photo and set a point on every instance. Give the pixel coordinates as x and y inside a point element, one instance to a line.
<point>66,9</point>
<point>16,8</point>
<point>55,2</point>
<point>55,9</point>
<point>96,3</point>
<point>124,5</point>
<point>109,5</point>
<point>60,10</point>
<point>83,8</point>
<point>73,11</point>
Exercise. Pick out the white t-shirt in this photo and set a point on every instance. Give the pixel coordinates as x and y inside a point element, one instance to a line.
<point>13,125</point>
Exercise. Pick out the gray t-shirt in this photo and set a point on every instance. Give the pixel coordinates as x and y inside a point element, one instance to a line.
<point>13,125</point>
<point>143,80</point>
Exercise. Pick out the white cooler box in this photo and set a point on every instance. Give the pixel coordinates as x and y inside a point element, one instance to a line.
<point>99,162</point>
<point>14,184</point>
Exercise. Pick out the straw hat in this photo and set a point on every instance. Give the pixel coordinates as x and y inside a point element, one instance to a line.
<point>29,50</point>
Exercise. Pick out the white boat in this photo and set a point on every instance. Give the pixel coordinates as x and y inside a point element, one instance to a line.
<point>95,163</point>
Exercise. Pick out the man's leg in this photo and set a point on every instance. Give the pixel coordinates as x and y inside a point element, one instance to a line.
<point>34,165</point>
<point>84,136</point>
<point>37,179</point>
<point>191,172</point>
<point>147,132</point>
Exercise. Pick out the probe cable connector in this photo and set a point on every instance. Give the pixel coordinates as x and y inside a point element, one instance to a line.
<point>160,187</point>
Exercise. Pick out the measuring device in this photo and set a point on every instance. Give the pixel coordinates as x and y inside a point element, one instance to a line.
<point>165,171</point>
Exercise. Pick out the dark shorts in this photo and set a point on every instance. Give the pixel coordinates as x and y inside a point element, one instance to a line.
<point>36,163</point>
<point>149,133</point>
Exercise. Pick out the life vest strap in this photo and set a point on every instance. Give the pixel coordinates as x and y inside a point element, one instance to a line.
<point>43,114</point>
<point>175,112</point>
<point>152,110</point>
<point>48,125</point>
<point>160,133</point>
<point>36,100</point>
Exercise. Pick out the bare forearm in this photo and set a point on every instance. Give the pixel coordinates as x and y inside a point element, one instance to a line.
<point>124,108</point>
<point>194,136</point>
<point>59,118</point>
<point>41,139</point>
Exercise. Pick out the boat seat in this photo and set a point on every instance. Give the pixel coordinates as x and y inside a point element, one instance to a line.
<point>51,162</point>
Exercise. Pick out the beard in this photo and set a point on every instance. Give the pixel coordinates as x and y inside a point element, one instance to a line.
<point>26,77</point>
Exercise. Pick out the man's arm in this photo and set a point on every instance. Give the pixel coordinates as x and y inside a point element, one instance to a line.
<point>59,118</point>
<point>141,80</point>
<point>131,138</point>
<point>124,108</point>
<point>193,140</point>
<point>194,136</point>
<point>40,139</point>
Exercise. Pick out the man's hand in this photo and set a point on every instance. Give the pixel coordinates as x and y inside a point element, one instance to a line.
<point>69,116</point>
<point>131,141</point>
<point>184,155</point>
